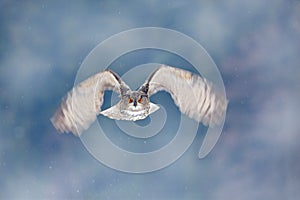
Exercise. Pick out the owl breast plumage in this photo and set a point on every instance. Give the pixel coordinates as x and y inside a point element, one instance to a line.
<point>194,95</point>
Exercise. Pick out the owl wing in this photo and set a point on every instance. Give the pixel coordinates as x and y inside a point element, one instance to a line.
<point>80,107</point>
<point>193,94</point>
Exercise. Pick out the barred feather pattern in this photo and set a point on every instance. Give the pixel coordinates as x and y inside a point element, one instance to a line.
<point>80,107</point>
<point>194,95</point>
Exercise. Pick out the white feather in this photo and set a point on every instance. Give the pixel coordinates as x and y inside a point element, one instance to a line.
<point>80,107</point>
<point>193,94</point>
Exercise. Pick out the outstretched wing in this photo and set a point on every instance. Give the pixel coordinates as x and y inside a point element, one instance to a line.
<point>193,94</point>
<point>80,107</point>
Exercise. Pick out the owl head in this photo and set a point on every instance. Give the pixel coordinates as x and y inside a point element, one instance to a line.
<point>133,105</point>
<point>134,101</point>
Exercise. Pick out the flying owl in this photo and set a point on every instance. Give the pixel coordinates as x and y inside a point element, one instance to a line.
<point>193,95</point>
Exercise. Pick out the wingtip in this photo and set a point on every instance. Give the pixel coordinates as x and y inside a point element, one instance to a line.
<point>58,123</point>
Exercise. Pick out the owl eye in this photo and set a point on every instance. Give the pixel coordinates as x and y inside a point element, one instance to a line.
<point>130,100</point>
<point>140,100</point>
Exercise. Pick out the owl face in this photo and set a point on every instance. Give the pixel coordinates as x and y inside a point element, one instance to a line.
<point>135,101</point>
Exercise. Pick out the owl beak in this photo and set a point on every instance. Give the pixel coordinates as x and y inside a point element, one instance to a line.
<point>135,103</point>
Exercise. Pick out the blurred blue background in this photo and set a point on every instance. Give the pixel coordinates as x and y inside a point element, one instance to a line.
<point>255,45</point>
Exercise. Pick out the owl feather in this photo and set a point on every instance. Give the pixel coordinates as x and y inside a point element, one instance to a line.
<point>194,96</point>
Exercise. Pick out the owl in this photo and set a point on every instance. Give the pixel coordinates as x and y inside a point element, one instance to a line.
<point>193,94</point>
